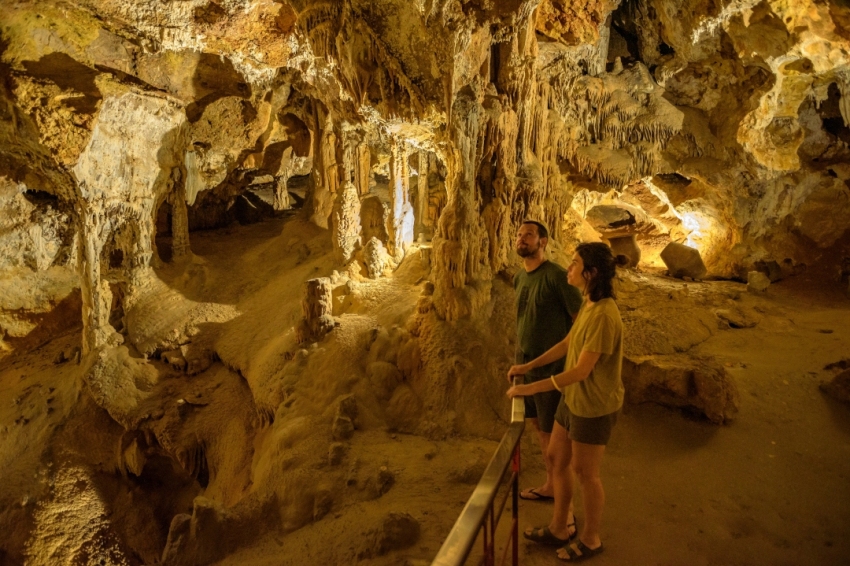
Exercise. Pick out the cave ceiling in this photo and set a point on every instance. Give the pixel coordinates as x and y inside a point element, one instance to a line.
<point>732,116</point>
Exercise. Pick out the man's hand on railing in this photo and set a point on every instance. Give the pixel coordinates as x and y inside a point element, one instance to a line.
<point>517,371</point>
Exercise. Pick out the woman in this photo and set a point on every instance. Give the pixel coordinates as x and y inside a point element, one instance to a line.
<point>593,395</point>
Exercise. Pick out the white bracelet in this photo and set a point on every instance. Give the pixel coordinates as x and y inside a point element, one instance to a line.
<point>555,383</point>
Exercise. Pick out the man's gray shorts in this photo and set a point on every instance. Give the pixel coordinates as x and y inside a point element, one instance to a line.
<point>542,406</point>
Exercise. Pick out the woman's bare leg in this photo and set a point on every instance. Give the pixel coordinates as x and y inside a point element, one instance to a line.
<point>560,453</point>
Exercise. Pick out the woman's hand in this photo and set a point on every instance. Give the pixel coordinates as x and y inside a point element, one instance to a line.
<point>517,370</point>
<point>519,391</point>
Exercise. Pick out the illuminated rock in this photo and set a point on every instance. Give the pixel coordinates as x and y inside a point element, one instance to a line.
<point>683,261</point>
<point>757,282</point>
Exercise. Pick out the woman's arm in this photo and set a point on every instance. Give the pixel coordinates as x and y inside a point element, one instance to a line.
<point>580,372</point>
<point>556,352</point>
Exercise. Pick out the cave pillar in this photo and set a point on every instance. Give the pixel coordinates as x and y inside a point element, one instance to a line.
<point>179,219</point>
<point>346,212</point>
<point>421,214</point>
<point>362,168</point>
<point>96,295</point>
<point>460,267</point>
<point>400,227</point>
<point>281,189</point>
<point>325,170</point>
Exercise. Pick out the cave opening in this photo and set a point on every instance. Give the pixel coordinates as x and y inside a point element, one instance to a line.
<point>830,113</point>
<point>624,41</point>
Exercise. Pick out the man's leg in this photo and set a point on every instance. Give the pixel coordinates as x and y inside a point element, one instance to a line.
<point>544,490</point>
<point>545,406</point>
<point>560,453</point>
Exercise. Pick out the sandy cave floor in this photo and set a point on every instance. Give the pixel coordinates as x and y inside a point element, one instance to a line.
<point>773,487</point>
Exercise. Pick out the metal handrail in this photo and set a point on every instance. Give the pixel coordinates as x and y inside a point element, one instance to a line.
<point>458,544</point>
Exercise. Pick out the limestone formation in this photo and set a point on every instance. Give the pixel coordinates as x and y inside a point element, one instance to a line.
<point>700,385</point>
<point>317,307</point>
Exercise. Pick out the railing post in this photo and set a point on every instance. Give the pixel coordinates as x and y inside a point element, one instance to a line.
<point>515,509</point>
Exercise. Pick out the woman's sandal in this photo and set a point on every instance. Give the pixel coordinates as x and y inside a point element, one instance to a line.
<point>542,535</point>
<point>578,551</point>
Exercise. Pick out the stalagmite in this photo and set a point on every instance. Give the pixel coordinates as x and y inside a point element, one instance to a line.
<point>317,310</point>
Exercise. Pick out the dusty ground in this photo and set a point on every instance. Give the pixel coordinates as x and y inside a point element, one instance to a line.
<point>770,488</point>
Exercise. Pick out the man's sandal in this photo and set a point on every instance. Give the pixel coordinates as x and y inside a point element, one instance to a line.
<point>531,494</point>
<point>542,535</point>
<point>578,551</point>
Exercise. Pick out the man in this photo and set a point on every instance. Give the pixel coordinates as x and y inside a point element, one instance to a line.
<point>546,308</point>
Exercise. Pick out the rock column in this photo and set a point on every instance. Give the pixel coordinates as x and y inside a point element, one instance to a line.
<point>346,215</point>
<point>400,227</point>
<point>421,215</point>
<point>460,268</point>
<point>96,295</point>
<point>362,167</point>
<point>325,170</point>
<point>179,219</point>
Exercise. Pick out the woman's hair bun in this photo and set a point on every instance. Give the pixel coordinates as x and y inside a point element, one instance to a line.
<point>621,261</point>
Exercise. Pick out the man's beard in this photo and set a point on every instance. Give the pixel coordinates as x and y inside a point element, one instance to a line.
<point>526,251</point>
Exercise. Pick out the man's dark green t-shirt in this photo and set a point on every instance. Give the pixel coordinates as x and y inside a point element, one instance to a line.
<point>545,305</point>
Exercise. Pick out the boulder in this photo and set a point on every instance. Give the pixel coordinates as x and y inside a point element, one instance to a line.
<point>627,246</point>
<point>770,268</point>
<point>683,261</point>
<point>698,384</point>
<point>838,387</point>
<point>757,282</point>
<point>397,531</point>
<point>608,217</point>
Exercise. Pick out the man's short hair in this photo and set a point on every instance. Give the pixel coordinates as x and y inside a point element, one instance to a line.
<point>541,228</point>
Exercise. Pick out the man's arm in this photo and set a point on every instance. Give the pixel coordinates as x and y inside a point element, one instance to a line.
<point>554,353</point>
<point>580,372</point>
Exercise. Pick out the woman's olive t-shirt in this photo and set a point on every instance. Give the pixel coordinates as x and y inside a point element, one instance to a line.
<point>597,328</point>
